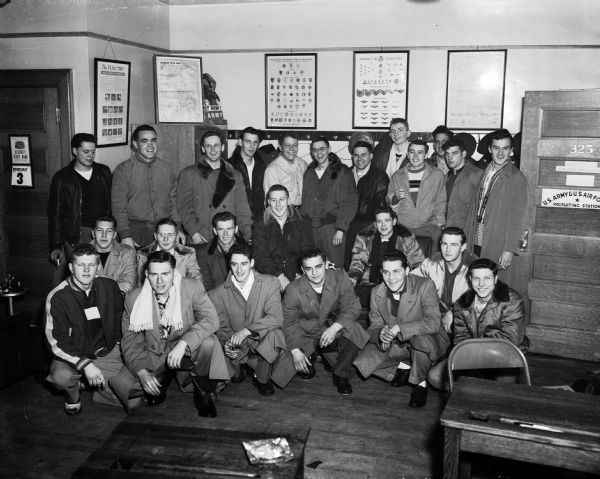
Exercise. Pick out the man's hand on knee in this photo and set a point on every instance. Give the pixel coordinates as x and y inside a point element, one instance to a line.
<point>149,383</point>
<point>301,362</point>
<point>176,355</point>
<point>94,375</point>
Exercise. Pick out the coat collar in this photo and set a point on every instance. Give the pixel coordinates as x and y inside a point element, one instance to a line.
<point>333,168</point>
<point>501,294</point>
<point>225,180</point>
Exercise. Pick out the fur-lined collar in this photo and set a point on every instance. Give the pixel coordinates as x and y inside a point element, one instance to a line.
<point>399,229</point>
<point>501,294</point>
<point>225,180</point>
<point>334,166</point>
<point>293,215</point>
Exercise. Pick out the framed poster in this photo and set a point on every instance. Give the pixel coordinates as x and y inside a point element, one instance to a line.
<point>20,154</point>
<point>111,93</point>
<point>291,91</point>
<point>178,89</point>
<point>475,89</point>
<point>379,88</point>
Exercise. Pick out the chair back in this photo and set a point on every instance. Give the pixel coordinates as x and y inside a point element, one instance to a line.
<point>486,353</point>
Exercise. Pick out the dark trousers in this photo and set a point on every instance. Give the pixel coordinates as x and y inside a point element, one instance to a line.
<point>346,352</point>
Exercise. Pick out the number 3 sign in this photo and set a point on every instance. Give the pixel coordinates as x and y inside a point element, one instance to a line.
<point>21,176</point>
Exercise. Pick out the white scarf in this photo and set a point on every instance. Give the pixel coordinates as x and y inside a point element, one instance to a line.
<point>142,312</point>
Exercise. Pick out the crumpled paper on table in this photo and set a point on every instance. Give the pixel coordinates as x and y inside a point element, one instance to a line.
<point>268,451</point>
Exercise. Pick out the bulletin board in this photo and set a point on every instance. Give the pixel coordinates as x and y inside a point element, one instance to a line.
<point>475,89</point>
<point>379,88</point>
<point>291,91</point>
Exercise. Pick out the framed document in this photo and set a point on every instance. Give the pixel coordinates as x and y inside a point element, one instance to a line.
<point>379,88</point>
<point>111,114</point>
<point>178,89</point>
<point>291,91</point>
<point>475,89</point>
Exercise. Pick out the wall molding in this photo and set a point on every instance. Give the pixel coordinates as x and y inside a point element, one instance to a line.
<point>122,41</point>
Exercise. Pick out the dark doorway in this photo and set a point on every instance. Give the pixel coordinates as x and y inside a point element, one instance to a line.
<point>36,103</point>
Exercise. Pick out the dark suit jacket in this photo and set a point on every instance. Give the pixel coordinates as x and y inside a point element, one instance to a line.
<point>418,315</point>
<point>305,318</point>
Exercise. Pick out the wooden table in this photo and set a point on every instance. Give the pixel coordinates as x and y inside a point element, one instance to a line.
<point>480,416</point>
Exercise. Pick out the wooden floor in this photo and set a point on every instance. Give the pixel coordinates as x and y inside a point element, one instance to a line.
<point>370,434</point>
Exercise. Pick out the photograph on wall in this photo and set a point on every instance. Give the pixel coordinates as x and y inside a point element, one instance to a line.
<point>475,89</point>
<point>112,82</point>
<point>379,88</point>
<point>291,91</point>
<point>178,89</point>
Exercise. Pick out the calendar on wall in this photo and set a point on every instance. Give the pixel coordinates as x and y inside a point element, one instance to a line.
<point>291,91</point>
<point>379,88</point>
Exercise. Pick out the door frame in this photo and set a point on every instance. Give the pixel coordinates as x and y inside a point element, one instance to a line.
<point>62,80</point>
<point>59,79</point>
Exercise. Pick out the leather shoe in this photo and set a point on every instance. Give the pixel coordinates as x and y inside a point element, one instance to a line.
<point>263,389</point>
<point>343,385</point>
<point>418,397</point>
<point>400,378</point>
<point>156,400</point>
<point>204,397</point>
<point>311,369</point>
<point>239,376</point>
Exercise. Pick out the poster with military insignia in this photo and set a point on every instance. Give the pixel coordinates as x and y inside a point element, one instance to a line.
<point>291,91</point>
<point>379,88</point>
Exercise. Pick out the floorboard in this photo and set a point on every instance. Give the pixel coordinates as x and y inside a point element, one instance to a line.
<point>370,434</point>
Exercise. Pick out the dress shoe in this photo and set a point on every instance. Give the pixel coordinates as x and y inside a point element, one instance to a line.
<point>263,389</point>
<point>418,397</point>
<point>156,400</point>
<point>164,380</point>
<point>204,397</point>
<point>239,376</point>
<point>311,369</point>
<point>343,385</point>
<point>400,378</point>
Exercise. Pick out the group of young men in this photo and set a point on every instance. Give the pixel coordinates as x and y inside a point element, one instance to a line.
<point>238,268</point>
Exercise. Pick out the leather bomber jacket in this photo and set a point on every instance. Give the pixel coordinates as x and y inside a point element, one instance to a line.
<point>64,203</point>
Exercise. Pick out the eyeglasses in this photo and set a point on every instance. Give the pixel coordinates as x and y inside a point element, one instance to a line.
<point>290,147</point>
<point>323,149</point>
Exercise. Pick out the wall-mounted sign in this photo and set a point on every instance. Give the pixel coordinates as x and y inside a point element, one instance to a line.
<point>20,150</point>
<point>580,199</point>
<point>111,94</point>
<point>21,176</point>
<point>579,167</point>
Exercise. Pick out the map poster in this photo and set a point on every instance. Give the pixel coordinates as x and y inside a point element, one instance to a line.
<point>178,88</point>
<point>291,91</point>
<point>112,81</point>
<point>475,89</point>
<point>379,88</point>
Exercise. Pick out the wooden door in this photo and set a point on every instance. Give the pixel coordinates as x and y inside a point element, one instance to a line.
<point>560,157</point>
<point>33,108</point>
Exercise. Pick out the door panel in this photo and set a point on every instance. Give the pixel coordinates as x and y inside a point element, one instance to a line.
<point>560,157</point>
<point>34,111</point>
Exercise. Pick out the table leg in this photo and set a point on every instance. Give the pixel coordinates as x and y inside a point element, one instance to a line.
<point>451,452</point>
<point>11,309</point>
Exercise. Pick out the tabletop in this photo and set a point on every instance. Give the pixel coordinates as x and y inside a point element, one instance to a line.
<point>519,411</point>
